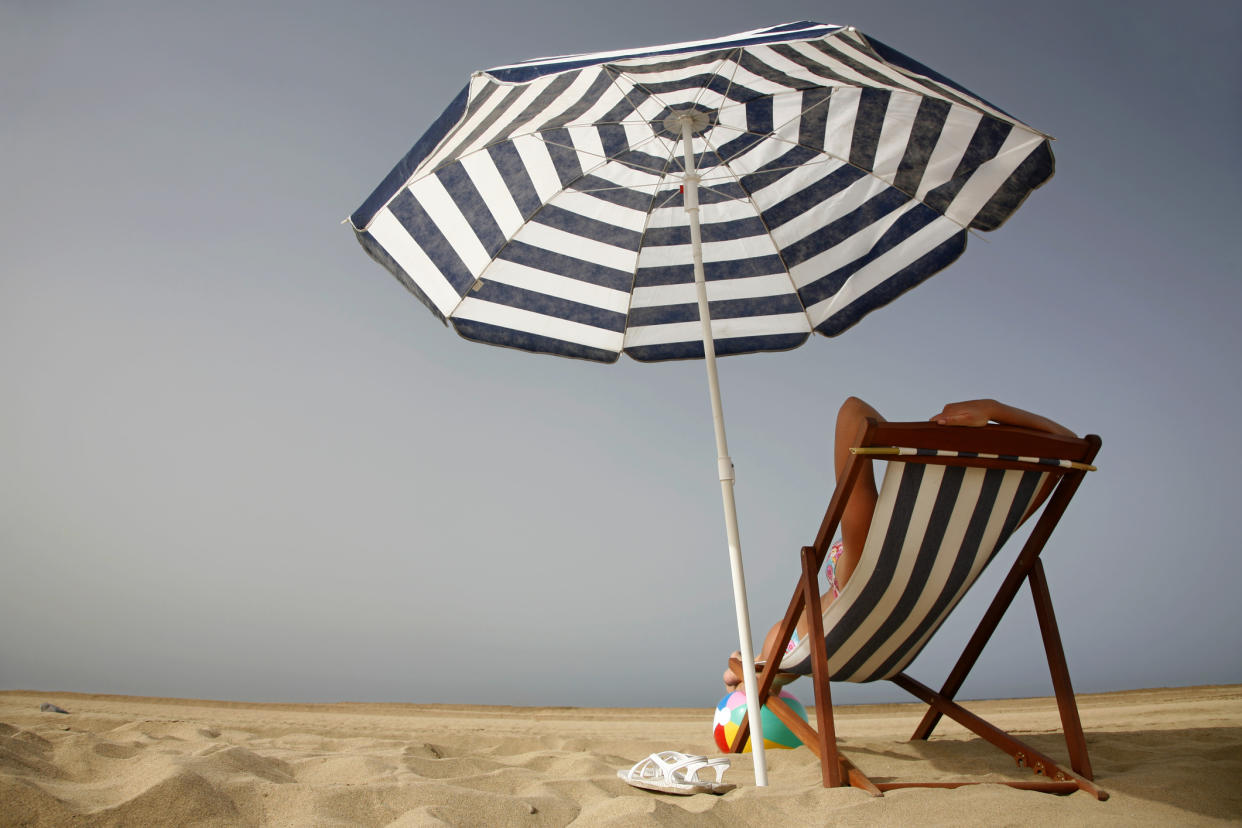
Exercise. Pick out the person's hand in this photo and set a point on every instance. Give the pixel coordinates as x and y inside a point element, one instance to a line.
<point>972,413</point>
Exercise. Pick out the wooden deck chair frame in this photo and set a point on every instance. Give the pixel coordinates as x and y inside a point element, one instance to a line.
<point>1010,448</point>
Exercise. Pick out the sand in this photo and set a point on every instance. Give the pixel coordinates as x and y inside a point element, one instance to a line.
<point>1167,757</point>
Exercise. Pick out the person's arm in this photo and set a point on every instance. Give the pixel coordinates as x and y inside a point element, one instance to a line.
<point>981,412</point>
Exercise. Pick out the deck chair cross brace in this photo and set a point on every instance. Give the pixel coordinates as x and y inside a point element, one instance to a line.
<point>951,497</point>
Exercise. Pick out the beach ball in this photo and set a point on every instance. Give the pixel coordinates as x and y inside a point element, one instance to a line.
<point>729,715</point>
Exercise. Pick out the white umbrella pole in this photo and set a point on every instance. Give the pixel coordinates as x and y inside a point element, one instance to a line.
<point>723,462</point>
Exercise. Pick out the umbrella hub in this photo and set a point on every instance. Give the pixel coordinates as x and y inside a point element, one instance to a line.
<point>668,123</point>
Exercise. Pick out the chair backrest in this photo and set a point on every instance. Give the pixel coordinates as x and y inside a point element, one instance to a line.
<point>941,517</point>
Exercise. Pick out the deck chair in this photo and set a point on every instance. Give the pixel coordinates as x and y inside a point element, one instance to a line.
<point>950,498</point>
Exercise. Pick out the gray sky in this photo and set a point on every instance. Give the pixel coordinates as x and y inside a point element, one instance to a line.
<point>238,460</point>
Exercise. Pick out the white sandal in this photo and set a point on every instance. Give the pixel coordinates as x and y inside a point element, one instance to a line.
<point>676,773</point>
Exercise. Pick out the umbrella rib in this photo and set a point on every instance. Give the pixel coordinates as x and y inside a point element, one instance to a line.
<point>917,84</point>
<point>669,164</point>
<point>733,59</point>
<point>736,65</point>
<point>615,76</point>
<point>773,136</point>
<point>650,210</point>
<point>604,159</point>
<point>670,158</point>
<point>768,232</point>
<point>565,186</point>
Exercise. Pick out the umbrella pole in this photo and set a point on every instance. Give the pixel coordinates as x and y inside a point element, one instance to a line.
<point>723,461</point>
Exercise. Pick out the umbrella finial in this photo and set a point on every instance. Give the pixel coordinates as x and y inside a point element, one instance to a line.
<point>700,120</point>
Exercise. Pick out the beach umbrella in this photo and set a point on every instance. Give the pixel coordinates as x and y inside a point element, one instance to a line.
<point>690,200</point>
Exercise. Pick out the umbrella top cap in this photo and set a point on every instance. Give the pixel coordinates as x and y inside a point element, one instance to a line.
<point>668,124</point>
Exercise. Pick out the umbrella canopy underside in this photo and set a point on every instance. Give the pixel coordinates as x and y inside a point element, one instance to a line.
<point>544,209</point>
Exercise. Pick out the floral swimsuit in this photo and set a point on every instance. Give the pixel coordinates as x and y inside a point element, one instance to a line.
<point>830,575</point>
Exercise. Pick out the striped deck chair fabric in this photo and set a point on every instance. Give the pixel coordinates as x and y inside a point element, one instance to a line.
<point>941,526</point>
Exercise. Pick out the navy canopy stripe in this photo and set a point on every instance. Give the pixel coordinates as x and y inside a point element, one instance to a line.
<point>683,274</point>
<point>923,137</point>
<point>467,198</point>
<point>377,252</point>
<point>518,184</point>
<point>428,236</point>
<point>720,309</point>
<point>910,276</point>
<point>509,338</point>
<point>545,305</point>
<point>561,264</point>
<point>724,347</point>
<point>406,167</point>
<point>910,223</point>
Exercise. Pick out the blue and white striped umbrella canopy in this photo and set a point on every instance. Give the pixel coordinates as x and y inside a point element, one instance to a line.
<point>544,209</point>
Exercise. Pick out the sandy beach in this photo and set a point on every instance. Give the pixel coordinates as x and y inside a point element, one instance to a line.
<point>1169,756</point>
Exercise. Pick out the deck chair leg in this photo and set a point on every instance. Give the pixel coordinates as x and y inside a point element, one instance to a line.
<point>835,767</point>
<point>829,758</point>
<point>809,737</point>
<point>991,619</point>
<point>1027,559</point>
<point>1023,753</point>
<point>1071,725</point>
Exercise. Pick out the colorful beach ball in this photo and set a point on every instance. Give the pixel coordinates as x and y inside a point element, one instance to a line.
<point>729,715</point>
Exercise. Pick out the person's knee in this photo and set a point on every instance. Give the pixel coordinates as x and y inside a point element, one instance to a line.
<point>851,402</point>
<point>854,409</point>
